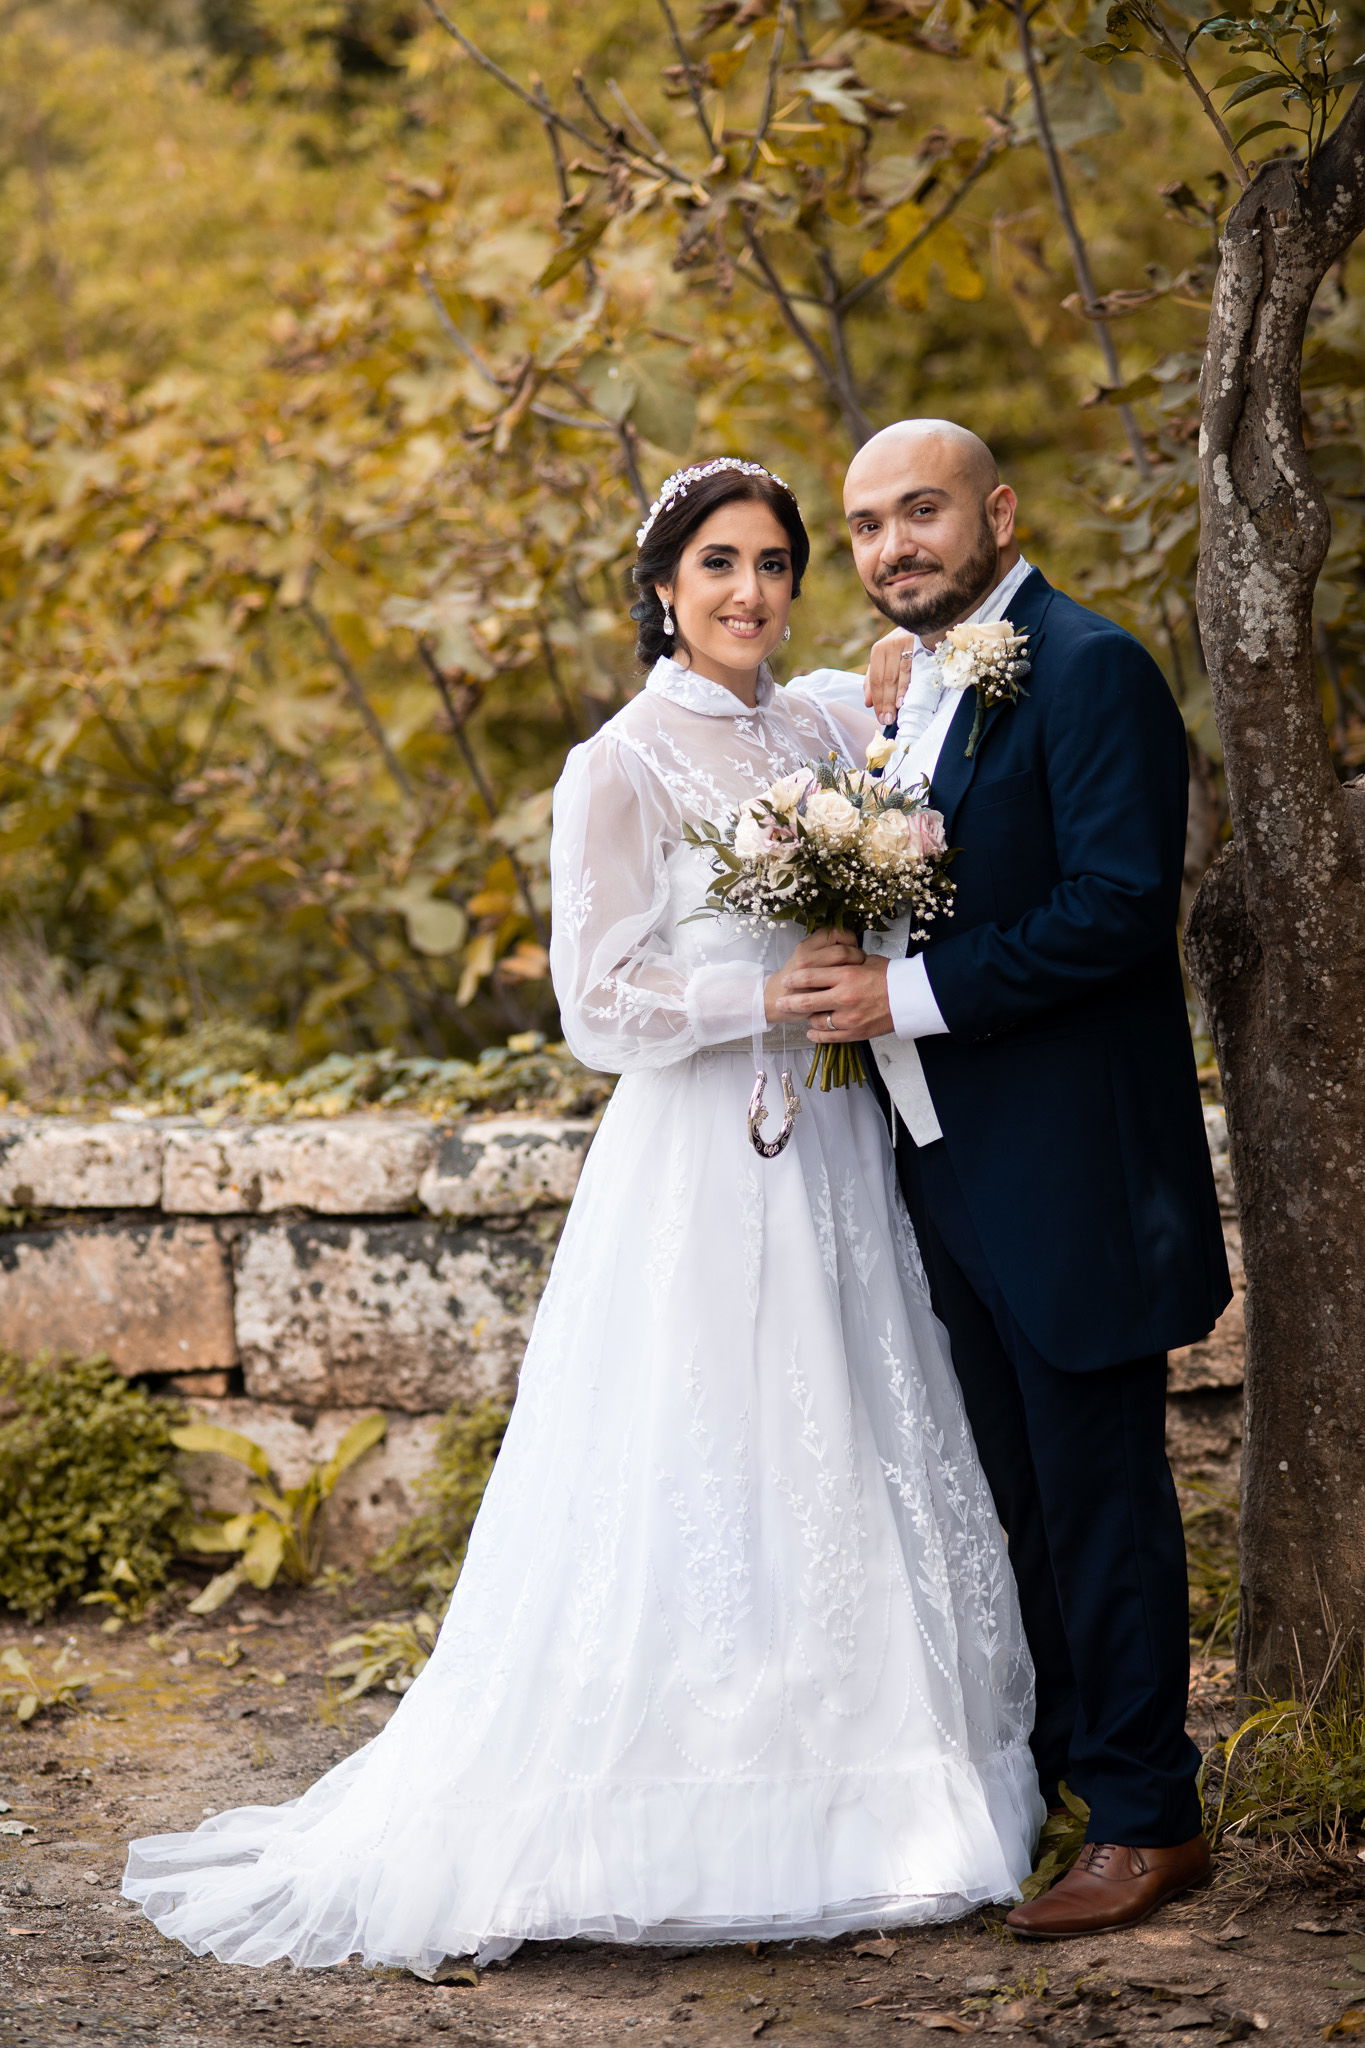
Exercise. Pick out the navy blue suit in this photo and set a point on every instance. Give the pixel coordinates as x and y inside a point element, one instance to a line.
<point>1068,1218</point>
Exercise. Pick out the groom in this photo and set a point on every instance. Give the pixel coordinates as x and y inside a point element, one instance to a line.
<point>1036,1055</point>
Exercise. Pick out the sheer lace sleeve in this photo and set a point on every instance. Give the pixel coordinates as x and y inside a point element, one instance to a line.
<point>837,694</point>
<point>628,995</point>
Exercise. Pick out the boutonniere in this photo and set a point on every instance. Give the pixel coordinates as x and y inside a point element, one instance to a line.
<point>990,659</point>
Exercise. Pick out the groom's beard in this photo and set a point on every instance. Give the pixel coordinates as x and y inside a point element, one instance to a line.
<point>940,605</point>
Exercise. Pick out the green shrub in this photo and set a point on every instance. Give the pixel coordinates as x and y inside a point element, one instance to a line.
<point>88,1500</point>
<point>425,1557</point>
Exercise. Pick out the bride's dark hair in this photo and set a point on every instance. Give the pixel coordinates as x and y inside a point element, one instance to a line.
<point>674,525</point>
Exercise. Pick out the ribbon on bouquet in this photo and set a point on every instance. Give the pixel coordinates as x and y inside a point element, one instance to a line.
<point>898,1059</point>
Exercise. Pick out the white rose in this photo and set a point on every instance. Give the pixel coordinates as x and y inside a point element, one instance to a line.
<point>786,793</point>
<point>886,842</point>
<point>831,818</point>
<point>751,841</point>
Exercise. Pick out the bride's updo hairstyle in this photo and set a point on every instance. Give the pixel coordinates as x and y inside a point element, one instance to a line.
<point>686,501</point>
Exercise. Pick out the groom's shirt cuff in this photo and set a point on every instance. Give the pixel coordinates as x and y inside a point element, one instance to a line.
<point>914,1011</point>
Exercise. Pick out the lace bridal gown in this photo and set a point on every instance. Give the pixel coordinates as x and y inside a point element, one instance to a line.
<point>735,1653</point>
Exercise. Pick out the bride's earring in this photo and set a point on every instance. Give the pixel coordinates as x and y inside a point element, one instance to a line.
<point>668,620</point>
<point>768,1148</point>
<point>786,632</point>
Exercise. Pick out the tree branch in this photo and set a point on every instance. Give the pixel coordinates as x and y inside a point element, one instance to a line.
<point>504,78</point>
<point>770,88</point>
<point>1080,258</point>
<point>689,78</point>
<point>356,691</point>
<point>489,375</point>
<point>1195,83</point>
<point>852,413</point>
<point>481,782</point>
<point>855,295</point>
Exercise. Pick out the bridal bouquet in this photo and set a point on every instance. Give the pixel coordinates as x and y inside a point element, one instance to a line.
<point>830,847</point>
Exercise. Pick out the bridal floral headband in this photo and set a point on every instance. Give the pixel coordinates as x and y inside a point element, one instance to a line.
<point>680,483</point>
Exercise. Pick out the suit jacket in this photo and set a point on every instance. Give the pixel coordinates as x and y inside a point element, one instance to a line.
<point>1065,1087</point>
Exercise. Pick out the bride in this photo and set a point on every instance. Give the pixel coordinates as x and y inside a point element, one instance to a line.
<point>735,1654</point>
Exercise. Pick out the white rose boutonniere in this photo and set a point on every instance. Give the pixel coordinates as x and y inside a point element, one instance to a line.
<point>990,659</point>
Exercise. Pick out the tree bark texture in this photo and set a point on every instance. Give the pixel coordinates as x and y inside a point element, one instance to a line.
<point>1276,939</point>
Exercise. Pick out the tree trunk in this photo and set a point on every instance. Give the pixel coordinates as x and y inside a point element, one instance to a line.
<point>1276,938</point>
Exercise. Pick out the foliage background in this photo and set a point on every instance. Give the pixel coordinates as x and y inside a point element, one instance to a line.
<point>326,407</point>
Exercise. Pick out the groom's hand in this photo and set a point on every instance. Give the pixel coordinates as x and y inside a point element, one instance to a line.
<point>841,1004</point>
<point>888,674</point>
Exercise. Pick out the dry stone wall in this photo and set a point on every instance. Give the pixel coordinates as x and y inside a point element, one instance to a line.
<point>286,1277</point>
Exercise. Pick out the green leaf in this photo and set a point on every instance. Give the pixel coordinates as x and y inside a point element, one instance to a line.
<point>1273,81</point>
<point>1267,128</point>
<point>592,224</point>
<point>264,1554</point>
<point>609,383</point>
<point>218,1591</point>
<point>208,1437</point>
<point>435,925</point>
<point>362,1436</point>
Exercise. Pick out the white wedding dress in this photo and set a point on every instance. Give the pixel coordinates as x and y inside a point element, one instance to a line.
<point>735,1653</point>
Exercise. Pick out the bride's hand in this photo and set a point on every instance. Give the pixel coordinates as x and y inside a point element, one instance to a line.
<point>888,674</point>
<point>820,950</point>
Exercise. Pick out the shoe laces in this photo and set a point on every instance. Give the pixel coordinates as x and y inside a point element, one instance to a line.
<point>1098,1856</point>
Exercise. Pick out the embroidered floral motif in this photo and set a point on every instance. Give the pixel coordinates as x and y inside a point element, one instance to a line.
<point>717,1550</point>
<point>830,1524</point>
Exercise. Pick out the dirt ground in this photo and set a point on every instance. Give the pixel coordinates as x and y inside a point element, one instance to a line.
<point>190,1716</point>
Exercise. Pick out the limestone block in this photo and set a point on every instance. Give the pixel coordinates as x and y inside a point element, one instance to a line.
<point>156,1296</point>
<point>338,1166</point>
<point>401,1315</point>
<point>55,1162</point>
<point>372,1500</point>
<point>1216,1130</point>
<point>1204,1439</point>
<point>506,1166</point>
<point>1220,1360</point>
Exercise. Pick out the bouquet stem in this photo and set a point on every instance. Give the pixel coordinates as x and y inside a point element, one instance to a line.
<point>837,1066</point>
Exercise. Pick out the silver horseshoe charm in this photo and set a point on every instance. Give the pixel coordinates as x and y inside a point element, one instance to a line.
<point>768,1148</point>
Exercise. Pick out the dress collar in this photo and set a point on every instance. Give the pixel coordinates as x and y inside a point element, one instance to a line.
<point>698,693</point>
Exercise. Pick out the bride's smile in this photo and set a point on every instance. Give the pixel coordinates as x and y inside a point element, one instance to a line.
<point>731,594</point>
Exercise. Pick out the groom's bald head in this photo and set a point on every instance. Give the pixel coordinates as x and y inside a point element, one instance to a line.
<point>931,523</point>
<point>931,446</point>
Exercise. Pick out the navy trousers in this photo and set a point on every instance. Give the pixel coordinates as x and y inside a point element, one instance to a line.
<point>1077,1464</point>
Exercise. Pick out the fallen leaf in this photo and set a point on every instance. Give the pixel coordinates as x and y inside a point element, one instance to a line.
<point>1182,2016</point>
<point>16,1827</point>
<point>862,2004</point>
<point>883,1947</point>
<point>1319,1927</point>
<point>945,2022</point>
<point>1352,2022</point>
<point>23,1930</point>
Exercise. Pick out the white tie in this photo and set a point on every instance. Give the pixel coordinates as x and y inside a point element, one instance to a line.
<point>922,700</point>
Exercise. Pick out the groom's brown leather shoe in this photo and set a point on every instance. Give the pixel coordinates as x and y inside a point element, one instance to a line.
<point>1112,1885</point>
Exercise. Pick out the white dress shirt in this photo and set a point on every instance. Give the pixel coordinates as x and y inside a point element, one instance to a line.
<point>914,1011</point>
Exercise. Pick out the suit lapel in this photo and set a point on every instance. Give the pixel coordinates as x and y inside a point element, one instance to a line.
<point>953,775</point>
